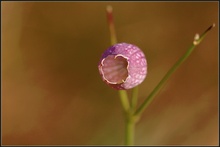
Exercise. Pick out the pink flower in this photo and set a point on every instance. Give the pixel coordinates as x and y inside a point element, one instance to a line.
<point>123,66</point>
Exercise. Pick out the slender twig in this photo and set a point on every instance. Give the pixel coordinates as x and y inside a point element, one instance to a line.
<point>147,101</point>
<point>129,130</point>
<point>134,98</point>
<point>122,93</point>
<point>111,25</point>
<point>129,122</point>
<point>124,100</point>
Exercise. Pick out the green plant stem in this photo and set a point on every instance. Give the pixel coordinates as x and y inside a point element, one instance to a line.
<point>111,25</point>
<point>130,130</point>
<point>129,119</point>
<point>124,100</point>
<point>134,98</point>
<point>147,101</point>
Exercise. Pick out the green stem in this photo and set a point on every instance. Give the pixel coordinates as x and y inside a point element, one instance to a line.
<point>111,25</point>
<point>122,93</point>
<point>129,120</point>
<point>147,101</point>
<point>130,129</point>
<point>134,98</point>
<point>124,100</point>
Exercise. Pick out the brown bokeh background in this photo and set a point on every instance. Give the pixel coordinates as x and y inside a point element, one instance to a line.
<point>52,93</point>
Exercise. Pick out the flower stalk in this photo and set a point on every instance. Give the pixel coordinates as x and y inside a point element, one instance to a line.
<point>129,123</point>
<point>148,100</point>
<point>111,25</point>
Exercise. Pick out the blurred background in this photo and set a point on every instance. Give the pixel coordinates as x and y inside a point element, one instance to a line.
<point>52,93</point>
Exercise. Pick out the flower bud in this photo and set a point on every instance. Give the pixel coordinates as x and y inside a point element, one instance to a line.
<point>123,66</point>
